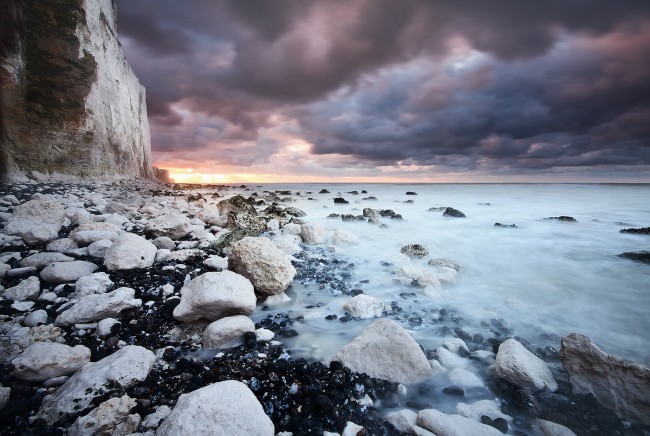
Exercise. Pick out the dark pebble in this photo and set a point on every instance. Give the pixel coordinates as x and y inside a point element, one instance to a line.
<point>456,391</point>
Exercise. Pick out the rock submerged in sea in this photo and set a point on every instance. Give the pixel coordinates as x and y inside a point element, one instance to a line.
<point>453,425</point>
<point>617,384</point>
<point>522,368</point>
<point>454,213</point>
<point>639,256</point>
<point>414,250</point>
<point>564,218</point>
<point>640,231</point>
<point>365,306</point>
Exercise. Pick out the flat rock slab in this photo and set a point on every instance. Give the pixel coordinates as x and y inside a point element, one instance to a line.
<point>90,232</point>
<point>36,221</point>
<point>27,289</point>
<point>99,306</point>
<point>125,367</point>
<point>67,272</point>
<point>174,226</point>
<point>385,350</point>
<point>225,408</point>
<point>41,260</point>
<point>45,360</point>
<point>130,251</point>
<point>617,384</point>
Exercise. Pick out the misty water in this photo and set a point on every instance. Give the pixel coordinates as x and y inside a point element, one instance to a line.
<point>543,280</point>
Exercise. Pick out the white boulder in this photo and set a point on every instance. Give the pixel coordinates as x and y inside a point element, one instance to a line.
<point>36,221</point>
<point>130,251</point>
<point>365,306</point>
<point>265,265</point>
<point>403,420</point>
<point>99,306</point>
<point>41,260</point>
<point>214,295</point>
<point>225,408</point>
<point>216,263</point>
<point>67,272</point>
<point>27,289</point>
<point>35,318</point>
<point>422,276</point>
<point>292,229</point>
<point>290,244</point>
<point>164,242</point>
<point>98,249</point>
<point>465,379</point>
<point>89,232</point>
<point>522,368</point>
<point>125,367</point>
<point>453,425</point>
<point>343,237</point>
<point>97,283</point>
<point>385,350</point>
<point>226,330</point>
<point>152,420</point>
<point>312,234</point>
<point>45,360</point>
<point>174,226</point>
<point>112,417</point>
<point>489,408</point>
<point>63,245</point>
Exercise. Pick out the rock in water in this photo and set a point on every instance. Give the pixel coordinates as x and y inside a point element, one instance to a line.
<point>453,425</point>
<point>226,330</point>
<point>225,408</point>
<point>214,295</point>
<point>617,384</point>
<point>454,213</point>
<point>44,360</point>
<point>365,306</point>
<point>261,262</point>
<point>74,104</point>
<point>385,350</point>
<point>124,367</point>
<point>414,250</point>
<point>36,221</point>
<point>522,368</point>
<point>99,306</point>
<point>130,251</point>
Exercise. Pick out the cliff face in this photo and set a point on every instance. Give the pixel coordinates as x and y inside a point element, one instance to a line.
<point>70,102</point>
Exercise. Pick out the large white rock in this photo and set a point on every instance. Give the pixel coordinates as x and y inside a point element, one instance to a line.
<point>98,249</point>
<point>35,318</point>
<point>403,420</point>
<point>489,408</point>
<point>152,420</point>
<point>365,306</point>
<point>265,265</point>
<point>214,295</point>
<point>226,330</point>
<point>312,234</point>
<point>292,229</point>
<point>453,425</point>
<point>522,368</point>
<point>216,263</point>
<point>27,289</point>
<point>89,232</point>
<point>385,350</point>
<point>125,367</point>
<point>67,272</point>
<point>130,251</point>
<point>44,360</point>
<point>549,428</point>
<point>97,283</point>
<point>41,260</point>
<point>99,306</point>
<point>465,379</point>
<point>343,237</point>
<point>36,221</point>
<point>290,244</point>
<point>422,276</point>
<point>174,226</point>
<point>225,408</point>
<point>109,418</point>
<point>617,384</point>
<point>63,245</point>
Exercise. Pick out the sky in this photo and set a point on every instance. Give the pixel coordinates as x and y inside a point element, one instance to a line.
<point>394,91</point>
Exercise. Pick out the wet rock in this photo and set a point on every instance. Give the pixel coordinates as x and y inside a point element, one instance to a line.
<point>340,200</point>
<point>640,231</point>
<point>420,275</point>
<point>45,360</point>
<point>36,221</point>
<point>562,218</point>
<point>478,409</point>
<point>226,330</point>
<point>27,289</point>
<point>365,306</point>
<point>237,204</point>
<point>5,395</point>
<point>639,256</point>
<point>454,213</point>
<point>414,250</point>
<point>465,379</point>
<point>130,251</point>
<point>260,261</point>
<point>548,428</point>
<point>453,425</point>
<point>125,367</point>
<point>522,368</point>
<point>411,193</point>
<point>109,417</point>
<point>67,272</point>
<point>214,295</point>
<point>312,234</point>
<point>323,191</point>
<point>617,384</point>
<point>174,226</point>
<point>41,260</point>
<point>512,226</point>
<point>225,408</point>
<point>402,420</point>
<point>445,263</point>
<point>343,237</point>
<point>455,391</point>
<point>99,306</point>
<point>386,350</point>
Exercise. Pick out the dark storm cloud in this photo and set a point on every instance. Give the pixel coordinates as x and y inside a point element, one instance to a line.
<point>559,83</point>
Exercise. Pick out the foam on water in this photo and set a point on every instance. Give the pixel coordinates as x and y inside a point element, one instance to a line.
<point>545,276</point>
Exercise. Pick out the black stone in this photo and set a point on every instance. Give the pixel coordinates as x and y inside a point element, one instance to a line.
<point>456,391</point>
<point>454,213</point>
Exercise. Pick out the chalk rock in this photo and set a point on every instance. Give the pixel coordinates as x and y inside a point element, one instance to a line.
<point>67,272</point>
<point>292,229</point>
<point>105,327</point>
<point>226,330</point>
<point>385,350</point>
<point>414,250</point>
<point>125,367</point>
<point>164,242</point>
<point>225,408</point>
<point>97,283</point>
<point>107,418</point>
<point>63,245</point>
<point>185,254</point>
<point>420,275</point>
<point>260,261</point>
<point>98,249</point>
<point>36,221</point>
<point>152,420</point>
<point>27,289</point>
<point>99,306</point>
<point>41,260</point>
<point>617,384</point>
<point>45,360</point>
<point>343,237</point>
<point>214,295</point>
<point>465,379</point>
<point>549,428</point>
<point>35,318</point>
<point>216,263</point>
<point>312,234</point>
<point>89,232</point>
<point>365,306</point>
<point>290,244</point>
<point>174,226</point>
<point>402,420</point>
<point>453,425</point>
<point>522,368</point>
<point>130,251</point>
<point>489,408</point>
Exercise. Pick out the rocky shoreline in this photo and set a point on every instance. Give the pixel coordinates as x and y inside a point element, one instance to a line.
<point>109,314</point>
